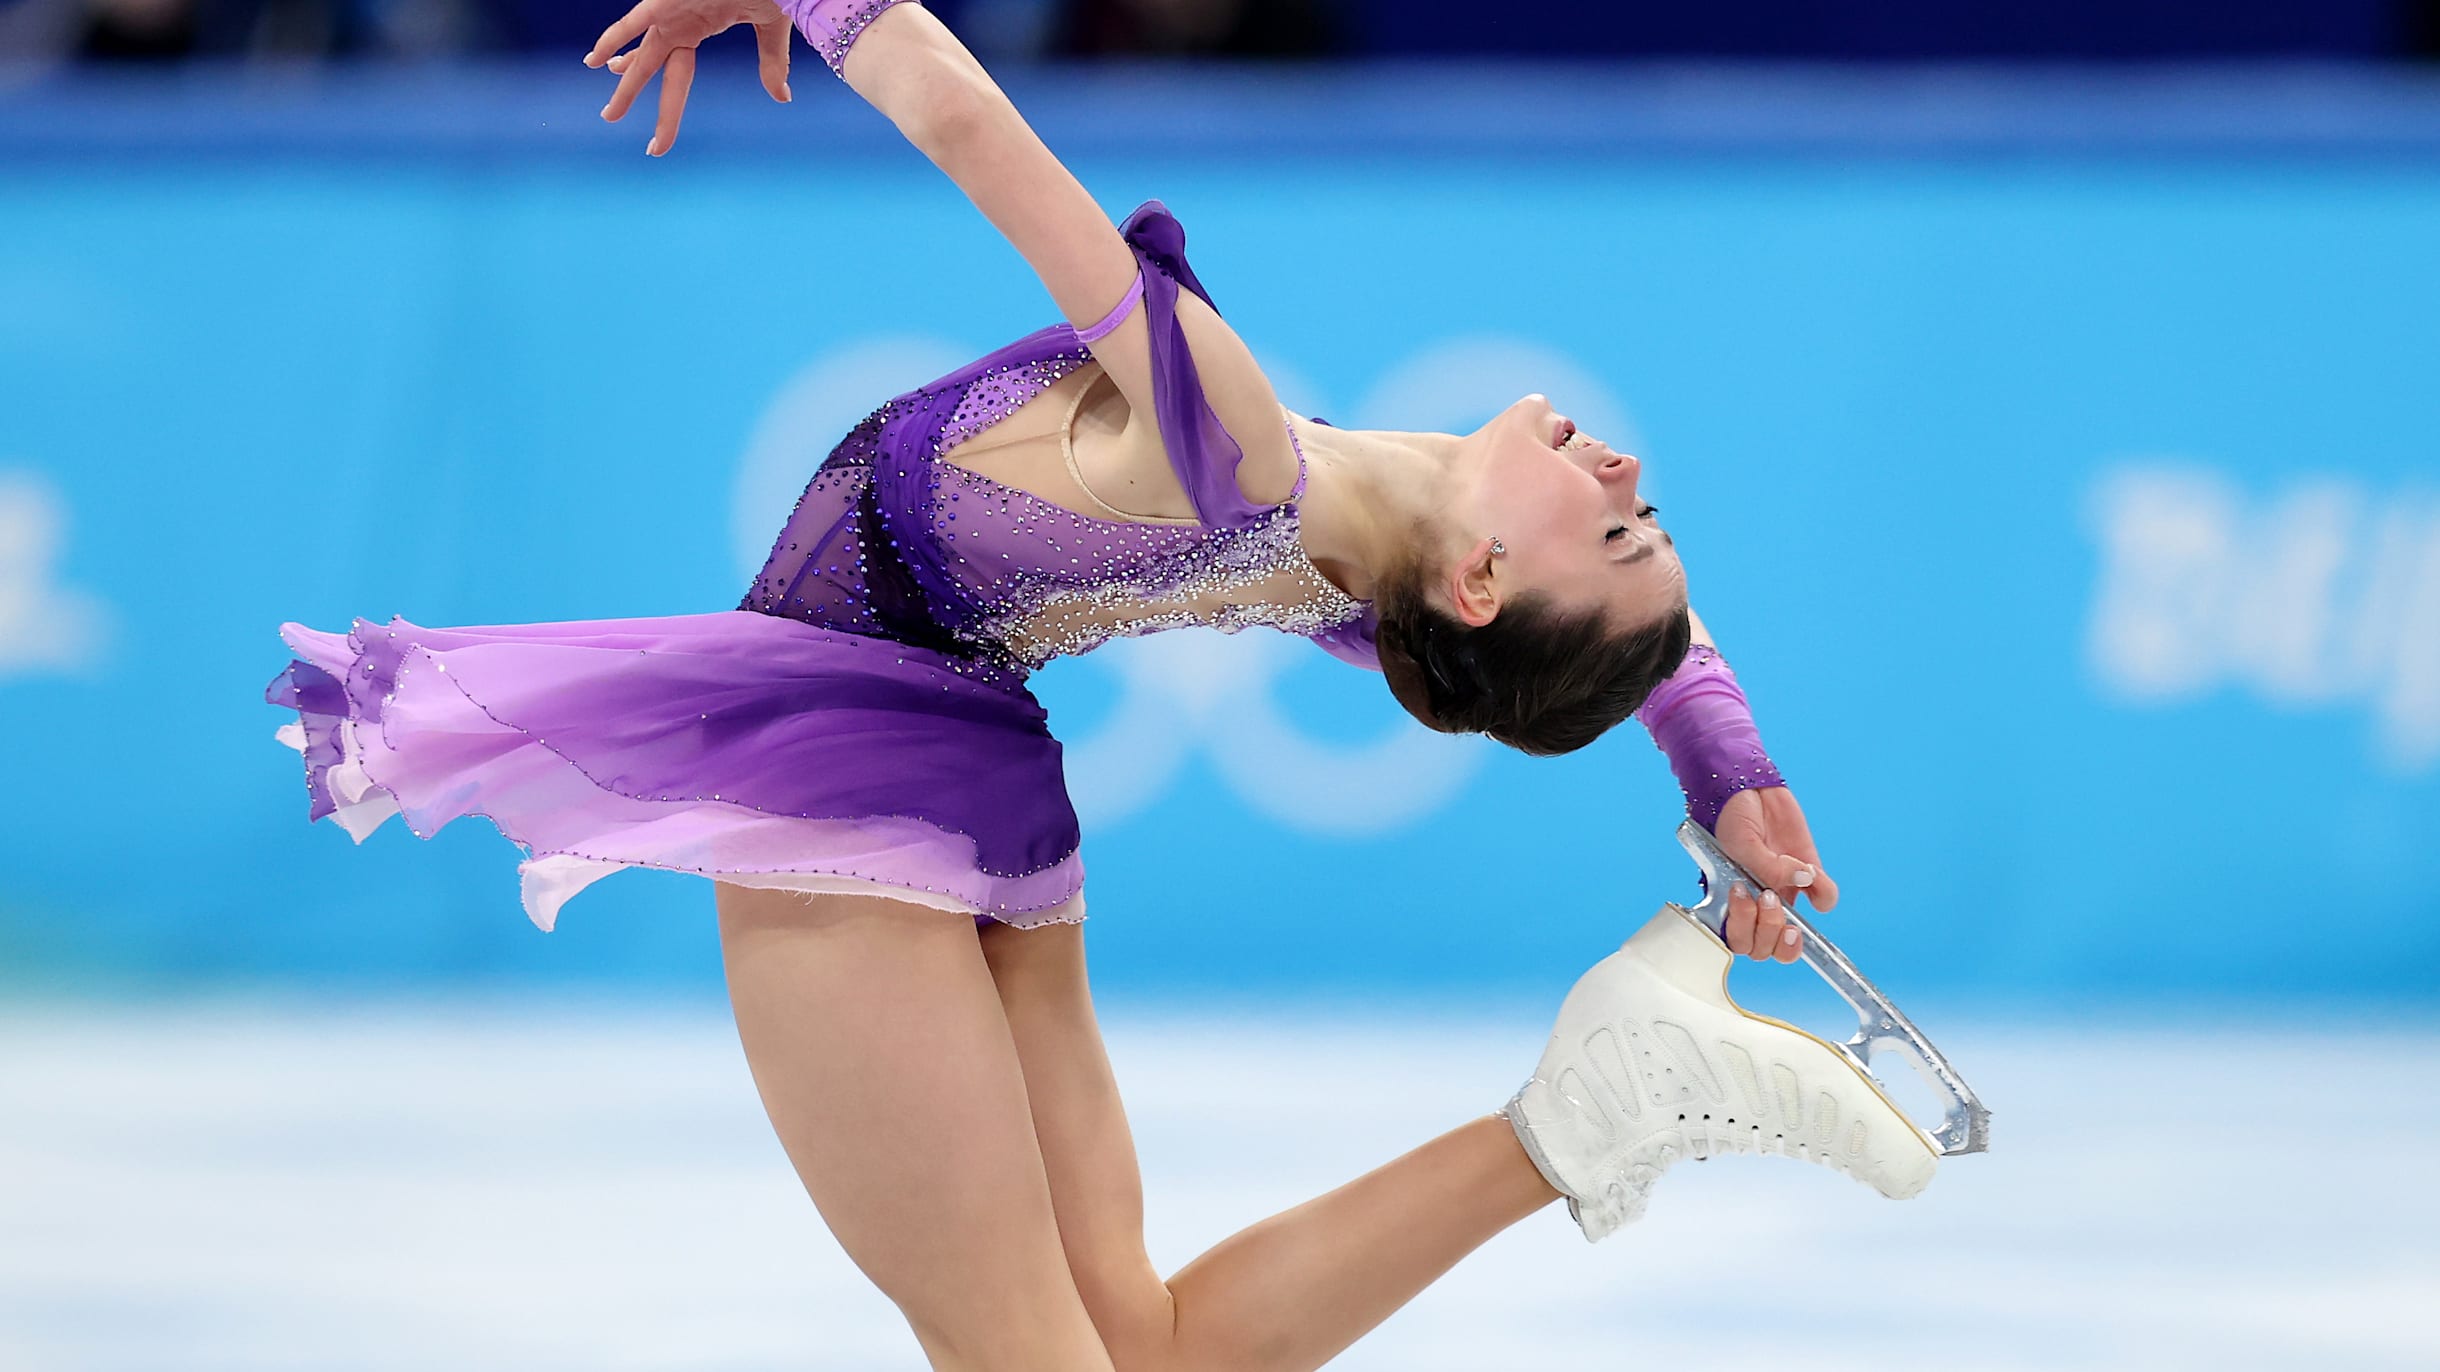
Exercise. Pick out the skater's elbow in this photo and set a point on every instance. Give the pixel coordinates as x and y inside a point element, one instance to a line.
<point>941,106</point>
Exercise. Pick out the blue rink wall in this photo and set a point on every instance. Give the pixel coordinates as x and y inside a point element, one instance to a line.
<point>2071,513</point>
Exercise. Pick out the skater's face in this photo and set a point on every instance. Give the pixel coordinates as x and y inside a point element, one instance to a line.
<point>1564,508</point>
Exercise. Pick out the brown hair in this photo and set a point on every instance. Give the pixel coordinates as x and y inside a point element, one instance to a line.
<point>1537,679</point>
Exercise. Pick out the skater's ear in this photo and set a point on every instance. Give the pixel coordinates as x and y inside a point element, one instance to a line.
<point>1541,680</point>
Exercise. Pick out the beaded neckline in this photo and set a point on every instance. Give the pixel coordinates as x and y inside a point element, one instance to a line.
<point>1291,509</point>
<point>893,540</point>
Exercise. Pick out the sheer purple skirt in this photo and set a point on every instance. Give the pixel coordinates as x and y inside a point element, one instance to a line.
<point>752,749</point>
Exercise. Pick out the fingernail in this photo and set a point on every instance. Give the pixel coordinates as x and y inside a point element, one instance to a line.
<point>786,94</point>
<point>1804,876</point>
<point>1771,898</point>
<point>605,111</point>
<point>1788,936</point>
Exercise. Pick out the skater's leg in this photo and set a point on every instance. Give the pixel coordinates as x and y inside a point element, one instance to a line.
<point>878,1043</point>
<point>1087,1150</point>
<point>1292,1291</point>
<point>1299,1287</point>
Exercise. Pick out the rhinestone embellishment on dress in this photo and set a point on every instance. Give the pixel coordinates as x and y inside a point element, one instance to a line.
<point>1000,580</point>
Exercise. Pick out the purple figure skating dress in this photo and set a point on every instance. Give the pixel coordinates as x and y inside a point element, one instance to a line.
<point>861,722</point>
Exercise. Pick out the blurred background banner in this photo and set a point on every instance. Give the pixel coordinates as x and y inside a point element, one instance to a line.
<point>2045,399</point>
<point>155,31</point>
<point>2056,453</point>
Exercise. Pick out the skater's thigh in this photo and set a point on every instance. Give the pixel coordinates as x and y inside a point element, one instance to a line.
<point>877,1041</point>
<point>1086,1143</point>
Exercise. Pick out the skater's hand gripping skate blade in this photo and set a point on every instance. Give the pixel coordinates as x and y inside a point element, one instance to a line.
<point>1651,1061</point>
<point>1882,1029</point>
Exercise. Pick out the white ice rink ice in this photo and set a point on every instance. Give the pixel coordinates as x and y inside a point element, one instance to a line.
<point>594,1188</point>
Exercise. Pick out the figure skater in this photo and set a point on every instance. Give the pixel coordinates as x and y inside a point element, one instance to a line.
<point>853,757</point>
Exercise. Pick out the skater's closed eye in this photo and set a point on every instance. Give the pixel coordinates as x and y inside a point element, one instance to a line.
<point>1620,531</point>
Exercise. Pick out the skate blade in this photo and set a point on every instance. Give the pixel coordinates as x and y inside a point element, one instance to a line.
<point>1882,1029</point>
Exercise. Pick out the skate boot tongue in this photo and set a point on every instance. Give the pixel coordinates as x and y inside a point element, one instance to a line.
<point>1651,1062</point>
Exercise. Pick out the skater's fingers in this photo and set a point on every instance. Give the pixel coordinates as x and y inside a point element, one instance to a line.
<point>1769,924</point>
<point>1795,874</point>
<point>1803,877</point>
<point>676,80</point>
<point>641,64</point>
<point>617,36</point>
<point>1791,944</point>
<point>771,43</point>
<point>1740,931</point>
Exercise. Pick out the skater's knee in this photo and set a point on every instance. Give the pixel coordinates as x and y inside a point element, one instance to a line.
<point>1136,1320</point>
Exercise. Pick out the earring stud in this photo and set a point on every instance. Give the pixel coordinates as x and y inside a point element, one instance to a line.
<point>1498,549</point>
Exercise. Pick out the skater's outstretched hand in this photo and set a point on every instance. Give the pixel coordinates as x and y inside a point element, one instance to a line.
<point>669,30</point>
<point>1764,829</point>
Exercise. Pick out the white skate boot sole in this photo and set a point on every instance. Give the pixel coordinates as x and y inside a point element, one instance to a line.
<point>1652,1061</point>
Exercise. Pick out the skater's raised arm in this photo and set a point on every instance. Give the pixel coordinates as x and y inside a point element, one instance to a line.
<point>916,72</point>
<point>909,66</point>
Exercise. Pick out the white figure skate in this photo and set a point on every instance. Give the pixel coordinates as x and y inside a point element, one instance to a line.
<point>1651,1061</point>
